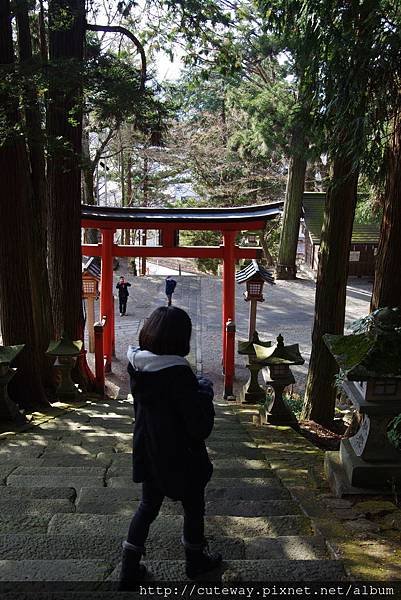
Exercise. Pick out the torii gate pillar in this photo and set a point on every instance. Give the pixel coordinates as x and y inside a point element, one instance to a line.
<point>228,306</point>
<point>106,294</point>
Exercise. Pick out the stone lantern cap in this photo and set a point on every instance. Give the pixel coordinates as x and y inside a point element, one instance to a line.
<point>248,347</point>
<point>9,353</point>
<point>278,354</point>
<point>64,347</point>
<point>93,267</point>
<point>255,272</point>
<point>373,350</point>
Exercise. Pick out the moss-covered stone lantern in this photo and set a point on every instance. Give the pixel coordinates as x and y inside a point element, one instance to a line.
<point>370,375</point>
<point>252,392</point>
<point>8,409</point>
<point>278,358</point>
<point>66,352</point>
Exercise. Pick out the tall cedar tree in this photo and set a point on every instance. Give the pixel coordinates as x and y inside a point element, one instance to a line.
<point>347,90</point>
<point>16,235</point>
<point>286,264</point>
<point>41,301</point>
<point>331,290</point>
<point>64,124</point>
<point>387,285</point>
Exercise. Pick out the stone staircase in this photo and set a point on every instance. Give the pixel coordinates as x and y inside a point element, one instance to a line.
<point>67,498</point>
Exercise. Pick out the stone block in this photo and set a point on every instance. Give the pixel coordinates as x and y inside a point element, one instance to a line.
<point>286,547</point>
<point>252,493</point>
<point>25,523</point>
<point>299,572</point>
<point>52,481</point>
<point>251,508</point>
<point>222,526</point>
<point>80,471</point>
<point>13,493</point>
<point>14,507</point>
<point>53,570</point>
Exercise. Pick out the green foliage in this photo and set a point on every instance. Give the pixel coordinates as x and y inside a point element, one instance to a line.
<point>203,238</point>
<point>394,432</point>
<point>293,399</point>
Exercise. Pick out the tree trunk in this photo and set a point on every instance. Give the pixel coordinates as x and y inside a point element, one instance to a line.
<point>16,310</point>
<point>41,300</point>
<point>286,264</point>
<point>66,42</point>
<point>331,285</point>
<point>145,189</point>
<point>88,173</point>
<point>387,285</point>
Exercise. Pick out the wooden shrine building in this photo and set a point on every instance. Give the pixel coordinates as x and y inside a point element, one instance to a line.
<point>364,242</point>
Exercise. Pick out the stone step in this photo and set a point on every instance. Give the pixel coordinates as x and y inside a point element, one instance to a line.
<point>14,493</point>
<point>70,570</point>
<point>249,483</point>
<point>25,523</point>
<point>239,452</point>
<point>54,570</point>
<point>100,504</point>
<point>103,547</point>
<point>223,467</point>
<point>172,525</point>
<point>52,481</point>
<point>252,570</point>
<point>53,459</point>
<point>91,499</point>
<point>34,506</point>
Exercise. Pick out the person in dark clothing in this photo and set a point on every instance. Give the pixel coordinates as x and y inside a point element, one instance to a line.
<point>123,294</point>
<point>174,414</point>
<point>170,287</point>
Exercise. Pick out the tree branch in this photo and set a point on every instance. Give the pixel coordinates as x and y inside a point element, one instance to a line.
<point>131,36</point>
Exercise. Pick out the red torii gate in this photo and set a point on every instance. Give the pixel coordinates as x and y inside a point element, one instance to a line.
<point>170,221</point>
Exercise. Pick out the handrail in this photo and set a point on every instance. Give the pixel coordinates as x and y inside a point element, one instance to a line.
<point>99,355</point>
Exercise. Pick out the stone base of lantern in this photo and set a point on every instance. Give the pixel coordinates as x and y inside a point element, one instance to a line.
<point>251,392</point>
<point>348,474</point>
<point>252,397</point>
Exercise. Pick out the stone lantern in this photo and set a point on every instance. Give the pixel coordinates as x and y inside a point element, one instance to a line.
<point>90,292</point>
<point>278,358</point>
<point>370,375</point>
<point>254,276</point>
<point>8,409</point>
<point>252,392</point>
<point>66,353</point>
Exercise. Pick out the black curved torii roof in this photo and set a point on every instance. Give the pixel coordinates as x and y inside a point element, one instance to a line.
<point>235,217</point>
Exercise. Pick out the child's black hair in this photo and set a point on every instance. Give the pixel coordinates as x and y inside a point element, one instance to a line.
<point>167,331</point>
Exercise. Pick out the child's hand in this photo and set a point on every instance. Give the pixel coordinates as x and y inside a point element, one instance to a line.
<point>204,381</point>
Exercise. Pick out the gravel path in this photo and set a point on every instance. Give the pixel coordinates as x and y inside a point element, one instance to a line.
<point>288,309</point>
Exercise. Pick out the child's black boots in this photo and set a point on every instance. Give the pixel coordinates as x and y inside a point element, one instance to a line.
<point>199,559</point>
<point>132,571</point>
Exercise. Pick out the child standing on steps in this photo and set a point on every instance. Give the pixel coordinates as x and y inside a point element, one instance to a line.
<point>174,414</point>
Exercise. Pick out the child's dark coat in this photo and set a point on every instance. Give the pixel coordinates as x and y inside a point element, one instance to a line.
<point>174,414</point>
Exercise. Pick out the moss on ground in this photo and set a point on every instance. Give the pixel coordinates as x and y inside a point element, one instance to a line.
<point>364,532</point>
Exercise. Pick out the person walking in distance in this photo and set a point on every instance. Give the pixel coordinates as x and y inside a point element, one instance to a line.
<point>170,287</point>
<point>174,414</point>
<point>123,294</point>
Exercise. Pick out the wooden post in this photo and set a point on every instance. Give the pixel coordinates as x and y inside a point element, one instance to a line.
<point>229,370</point>
<point>252,318</point>
<point>106,293</point>
<point>90,316</point>
<point>99,355</point>
<point>113,328</point>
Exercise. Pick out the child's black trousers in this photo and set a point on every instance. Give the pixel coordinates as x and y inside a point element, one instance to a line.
<point>152,499</point>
